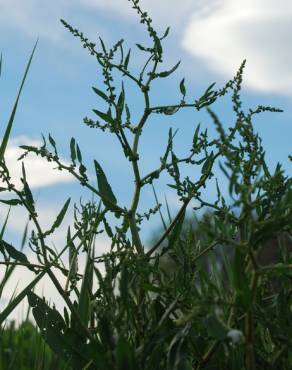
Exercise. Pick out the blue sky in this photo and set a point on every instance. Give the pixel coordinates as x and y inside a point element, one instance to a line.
<point>210,37</point>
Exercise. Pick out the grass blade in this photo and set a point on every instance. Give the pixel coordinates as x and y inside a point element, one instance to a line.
<point>11,119</point>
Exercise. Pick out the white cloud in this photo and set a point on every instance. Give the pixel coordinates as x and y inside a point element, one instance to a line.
<point>33,18</point>
<point>39,171</point>
<point>257,31</point>
<point>220,33</point>
<point>163,15</point>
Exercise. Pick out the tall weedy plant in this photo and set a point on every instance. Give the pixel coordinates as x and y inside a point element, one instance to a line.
<point>137,316</point>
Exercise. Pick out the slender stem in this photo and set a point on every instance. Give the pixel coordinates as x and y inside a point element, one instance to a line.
<point>153,109</point>
<point>170,227</point>
<point>40,267</point>
<point>136,196</point>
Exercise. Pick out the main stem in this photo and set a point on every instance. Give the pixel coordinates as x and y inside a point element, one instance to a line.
<point>136,197</point>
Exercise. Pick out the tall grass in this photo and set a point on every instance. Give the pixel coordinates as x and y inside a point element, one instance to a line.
<point>136,315</point>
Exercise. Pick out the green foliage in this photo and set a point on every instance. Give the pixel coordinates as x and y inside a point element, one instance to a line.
<point>23,348</point>
<point>125,311</point>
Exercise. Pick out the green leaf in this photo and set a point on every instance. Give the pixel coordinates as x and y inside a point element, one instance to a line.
<point>72,150</point>
<point>141,47</point>
<point>266,170</point>
<point>126,63</point>
<point>239,279</point>
<point>86,288</point>
<point>104,187</point>
<point>174,161</point>
<point>175,234</point>
<point>73,260</point>
<point>27,191</point>
<point>125,355</point>
<point>12,116</point>
<point>28,196</point>
<point>64,341</point>
<point>167,73</point>
<point>169,145</point>
<point>207,166</point>
<point>11,202</point>
<point>102,45</point>
<point>13,252</point>
<point>106,117</point>
<point>196,136</point>
<point>216,329</point>
<point>182,87</point>
<point>61,215</point>
<point>177,351</point>
<point>121,102</point>
<point>165,33</point>
<point>52,141</point>
<point>79,155</point>
<point>101,94</point>
<point>208,90</point>
<point>158,46</point>
<point>5,224</point>
<point>107,228</point>
<point>59,218</point>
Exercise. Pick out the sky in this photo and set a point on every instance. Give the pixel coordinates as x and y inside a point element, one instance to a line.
<point>211,38</point>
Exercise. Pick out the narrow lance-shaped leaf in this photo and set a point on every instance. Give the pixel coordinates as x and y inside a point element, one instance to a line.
<point>106,117</point>
<point>72,150</point>
<point>52,141</point>
<point>78,152</point>
<point>104,187</point>
<point>128,113</point>
<point>266,170</point>
<point>174,160</point>
<point>196,136</point>
<point>59,218</point>
<point>11,202</point>
<point>107,228</point>
<point>208,91</point>
<point>27,191</point>
<point>240,280</point>
<point>158,46</point>
<point>215,327</point>
<point>169,144</point>
<point>121,101</point>
<point>101,94</point>
<point>167,73</point>
<point>86,287</point>
<point>165,33</point>
<point>61,215</point>
<point>4,225</point>
<point>73,261</point>
<point>208,164</point>
<point>175,234</point>
<point>127,59</point>
<point>102,45</point>
<point>11,119</point>
<point>15,254</point>
<point>182,87</point>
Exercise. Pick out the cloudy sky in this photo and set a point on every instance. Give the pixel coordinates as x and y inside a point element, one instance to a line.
<point>210,37</point>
